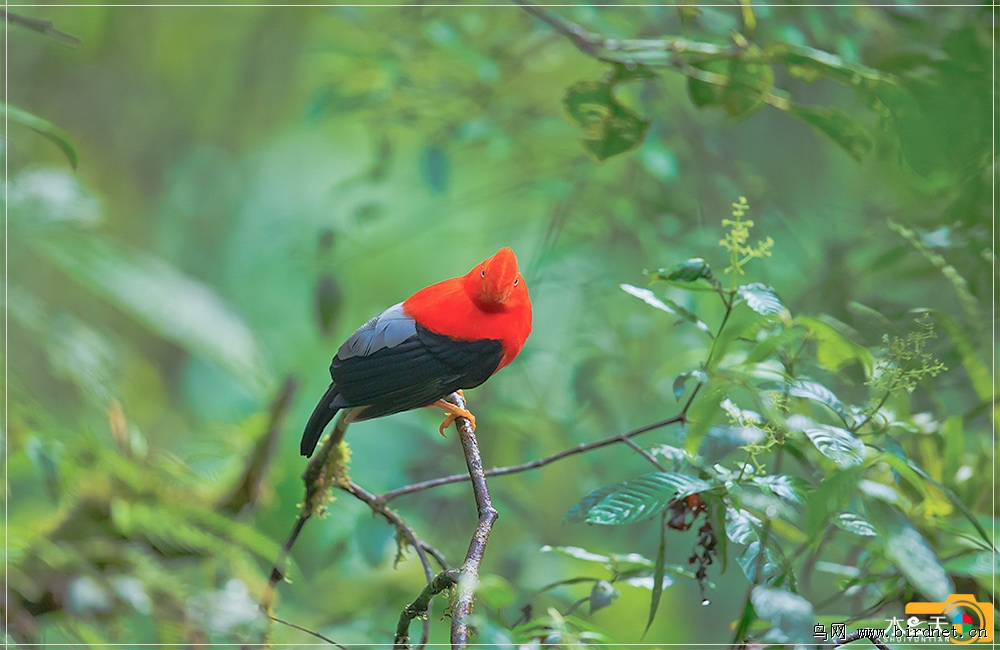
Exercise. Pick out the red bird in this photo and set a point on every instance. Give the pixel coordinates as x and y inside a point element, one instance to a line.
<point>451,335</point>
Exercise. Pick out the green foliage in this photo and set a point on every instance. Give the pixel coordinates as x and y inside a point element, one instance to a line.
<point>610,127</point>
<point>45,128</point>
<point>253,185</point>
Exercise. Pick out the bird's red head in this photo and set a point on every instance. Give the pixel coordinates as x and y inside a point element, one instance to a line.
<point>496,284</point>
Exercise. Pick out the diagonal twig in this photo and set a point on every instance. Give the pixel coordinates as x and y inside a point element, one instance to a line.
<point>247,491</point>
<point>469,576</point>
<point>523,467</point>
<point>40,26</point>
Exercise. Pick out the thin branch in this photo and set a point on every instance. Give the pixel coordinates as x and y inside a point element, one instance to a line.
<point>316,483</point>
<point>378,507</point>
<point>462,606</point>
<point>306,630</point>
<point>645,454</point>
<point>523,467</point>
<point>320,475</point>
<point>40,26</point>
<point>420,606</point>
<point>247,490</point>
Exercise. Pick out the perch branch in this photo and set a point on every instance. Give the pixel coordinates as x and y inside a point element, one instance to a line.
<point>523,467</point>
<point>462,606</point>
<point>421,606</point>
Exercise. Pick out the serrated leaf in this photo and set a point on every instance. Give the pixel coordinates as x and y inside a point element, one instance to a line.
<point>44,128</point>
<point>760,298</point>
<point>610,127</point>
<point>839,445</point>
<point>680,383</point>
<point>602,594</point>
<point>636,499</point>
<point>166,301</point>
<point>790,615</point>
<point>818,393</point>
<point>854,524</point>
<point>789,488</point>
<point>909,551</point>
<point>845,131</point>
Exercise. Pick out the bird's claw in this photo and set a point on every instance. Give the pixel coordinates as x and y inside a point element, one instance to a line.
<point>454,413</point>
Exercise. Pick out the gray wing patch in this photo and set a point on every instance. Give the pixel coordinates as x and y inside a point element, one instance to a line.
<point>387,330</point>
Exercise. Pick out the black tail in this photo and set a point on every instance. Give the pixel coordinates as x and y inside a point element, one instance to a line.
<point>320,417</point>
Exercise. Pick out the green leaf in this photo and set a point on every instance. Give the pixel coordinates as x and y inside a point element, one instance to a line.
<point>829,498</point>
<point>577,553</point>
<point>740,526</point>
<point>631,72</point>
<point>834,350</point>
<point>578,513</point>
<point>602,594</point>
<point>839,445</point>
<point>906,548</point>
<point>740,86</point>
<point>45,128</point>
<point>760,298</point>
<point>666,305</point>
<point>658,572</point>
<point>854,524</point>
<point>790,615</point>
<point>494,591</point>
<point>685,272</point>
<point>717,518</point>
<point>647,297</point>
<point>169,303</point>
<point>818,393</point>
<point>610,128</point>
<point>636,499</point>
<point>680,383</point>
<point>983,565</point>
<point>978,371</point>
<point>689,316</point>
<point>789,488</point>
<point>845,131</point>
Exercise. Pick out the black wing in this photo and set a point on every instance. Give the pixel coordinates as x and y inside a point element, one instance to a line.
<point>416,372</point>
<point>392,364</point>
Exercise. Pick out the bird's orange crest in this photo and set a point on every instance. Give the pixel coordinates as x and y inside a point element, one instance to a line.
<point>495,282</point>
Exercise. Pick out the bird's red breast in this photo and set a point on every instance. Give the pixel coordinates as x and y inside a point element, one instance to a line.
<point>489,302</point>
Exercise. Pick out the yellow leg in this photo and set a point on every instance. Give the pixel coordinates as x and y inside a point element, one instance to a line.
<point>453,414</point>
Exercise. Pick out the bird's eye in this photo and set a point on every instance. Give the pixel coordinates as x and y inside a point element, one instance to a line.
<point>516,280</point>
<point>483,273</point>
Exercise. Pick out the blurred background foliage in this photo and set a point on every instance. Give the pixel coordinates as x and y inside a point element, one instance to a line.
<point>251,184</point>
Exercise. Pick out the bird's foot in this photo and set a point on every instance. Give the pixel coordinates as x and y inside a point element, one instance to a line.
<point>454,413</point>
